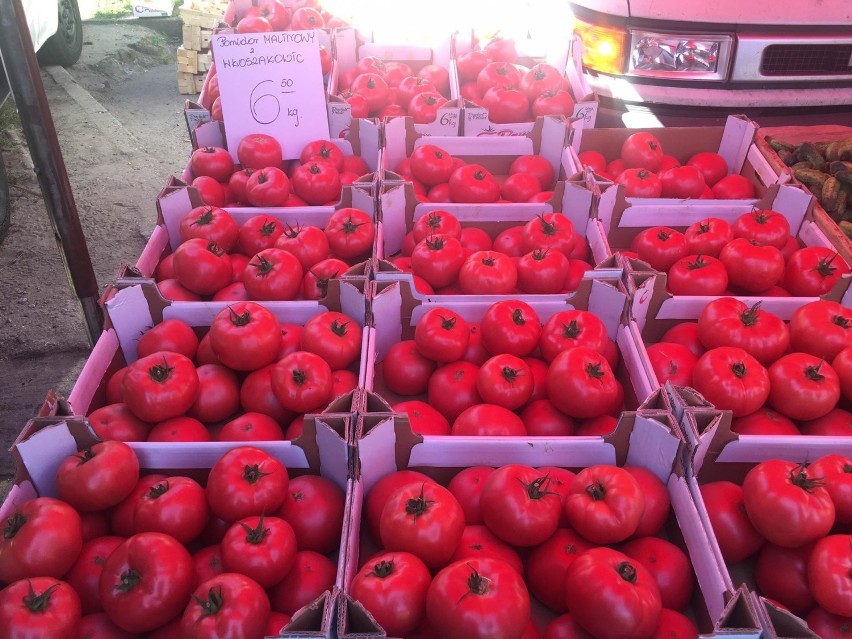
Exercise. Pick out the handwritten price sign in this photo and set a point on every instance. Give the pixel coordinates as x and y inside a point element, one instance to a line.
<point>271,83</point>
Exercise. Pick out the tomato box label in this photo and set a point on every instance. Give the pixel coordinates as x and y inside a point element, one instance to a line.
<point>272,83</point>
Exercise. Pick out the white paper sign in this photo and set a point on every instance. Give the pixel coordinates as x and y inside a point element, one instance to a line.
<point>272,83</point>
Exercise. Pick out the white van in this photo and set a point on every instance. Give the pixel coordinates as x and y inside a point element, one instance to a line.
<point>661,59</point>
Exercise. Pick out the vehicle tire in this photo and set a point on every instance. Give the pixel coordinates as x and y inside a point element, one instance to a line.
<point>4,200</point>
<point>65,46</point>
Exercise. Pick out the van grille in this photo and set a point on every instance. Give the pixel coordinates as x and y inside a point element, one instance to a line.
<point>807,59</point>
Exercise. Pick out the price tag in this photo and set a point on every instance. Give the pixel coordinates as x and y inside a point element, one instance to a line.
<point>272,83</point>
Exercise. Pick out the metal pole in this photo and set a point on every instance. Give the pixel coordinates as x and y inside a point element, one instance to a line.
<point>22,71</point>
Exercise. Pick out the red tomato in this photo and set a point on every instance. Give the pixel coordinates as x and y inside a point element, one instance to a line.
<point>268,187</point>
<point>431,165</point>
<point>441,335</point>
<point>581,384</point>
<point>497,74</point>
<point>246,481</point>
<point>308,243</point>
<point>424,419</point>
<point>674,625</point>
<point>837,472</point>
<point>121,516</point>
<point>782,575</point>
<point>734,531</point>
<point>731,379</point>
<point>317,183</point>
<point>473,184</point>
<point>116,421</point>
<point>509,242</point>
<point>146,581</point>
<point>423,107</point>
<point>511,327</point>
<point>660,246</point>
<point>314,507</point>
<point>392,587</point>
<point>611,596</point>
<point>712,166</point>
<point>764,422</point>
<point>39,607</point>
<point>333,336</point>
<point>669,566</point>
<point>85,574</point>
<point>708,236</point>
<point>536,165</point>
<point>803,387</point>
<point>813,271</point>
<point>682,182</point>
<point>488,420</point>
<point>642,150</point>
<point>258,151</point>
<point>558,103</point>
<point>98,477</point>
<point>176,506</point>
<point>436,223</point>
<point>256,396</point>
<point>520,187</point>
<point>765,227</point>
<point>160,386</point>
<point>604,504</point>
<point>228,605</point>
<point>469,598</point>
<point>829,570</point>
<point>438,260</point>
<point>98,624</point>
<point>640,183</point>
<point>480,542</point>
<point>250,427</point>
<point>518,506</point>
<point>179,429</point>
<point>211,192</point>
<point>212,161</point>
<point>467,488</point>
<point>733,187</point>
<point>821,328</point>
<point>350,233</point>
<point>564,627</point>
<point>245,336</point>
<point>423,519</point>
<point>827,625</point>
<point>405,370</point>
<point>657,504</point>
<point>548,563</point>
<point>202,266</point>
<point>452,388</point>
<point>210,223</point>
<point>551,231</point>
<point>261,548</point>
<point>378,495</point>
<point>273,274</point>
<point>567,329</point>
<point>302,382</point>
<point>218,394</point>
<point>728,321</point>
<point>410,86</point>
<point>543,419</point>
<point>786,503</point>
<point>672,363</point>
<point>207,563</point>
<point>169,335</point>
<point>752,267</point>
<point>842,365</point>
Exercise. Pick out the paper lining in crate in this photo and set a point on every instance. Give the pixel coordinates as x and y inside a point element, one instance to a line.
<point>449,118</point>
<point>395,312</point>
<point>567,61</point>
<point>649,441</point>
<point>321,450</point>
<point>723,455</point>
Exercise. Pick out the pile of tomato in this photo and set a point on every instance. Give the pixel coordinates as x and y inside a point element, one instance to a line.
<point>506,375</point>
<point>246,377</point>
<point>120,554</point>
<point>461,559</point>
<point>792,523</point>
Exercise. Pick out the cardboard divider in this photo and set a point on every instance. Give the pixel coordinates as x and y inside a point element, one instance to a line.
<point>723,455</point>
<point>639,439</point>
<point>321,450</point>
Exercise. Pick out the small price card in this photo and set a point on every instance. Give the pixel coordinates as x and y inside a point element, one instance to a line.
<point>271,83</point>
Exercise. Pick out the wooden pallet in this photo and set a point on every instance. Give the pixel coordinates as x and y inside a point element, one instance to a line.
<point>189,61</point>
<point>190,83</point>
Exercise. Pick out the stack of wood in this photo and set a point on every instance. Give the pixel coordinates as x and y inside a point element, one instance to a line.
<point>199,17</point>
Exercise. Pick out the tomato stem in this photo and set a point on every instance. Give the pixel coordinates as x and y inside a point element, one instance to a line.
<point>241,319</point>
<point>570,330</point>
<point>267,228</point>
<point>339,328</point>
<point>383,569</point>
<point>159,490</point>
<point>130,578</point>
<point>38,602</point>
<point>537,489</point>
<point>511,374</point>
<point>799,477</point>
<point>85,455</point>
<point>253,474</point>
<point>596,491</point>
<point>205,218</point>
<point>418,505</point>
<point>212,604</point>
<point>257,534</point>
<point>547,228</point>
<point>160,372</point>
<point>263,266</point>
<point>749,317</point>
<point>447,323</point>
<point>813,374</point>
<point>13,525</point>
<point>739,369</point>
<point>518,317</point>
<point>595,371</point>
<point>627,571</point>
<point>476,584</point>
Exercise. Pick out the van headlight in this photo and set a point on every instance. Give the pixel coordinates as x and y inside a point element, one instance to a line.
<point>603,46</point>
<point>695,57</point>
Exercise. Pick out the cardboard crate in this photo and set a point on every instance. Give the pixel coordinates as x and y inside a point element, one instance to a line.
<point>639,439</point>
<point>321,450</point>
<point>723,455</point>
<point>395,312</point>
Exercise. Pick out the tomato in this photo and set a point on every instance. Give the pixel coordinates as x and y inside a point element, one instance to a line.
<point>466,487</point>
<point>350,233</point>
<point>423,107</point>
<point>452,388</point>
<point>505,104</point>
<point>98,626</point>
<point>674,625</point>
<point>581,384</point>
<point>316,183</point>
<point>474,598</point>
<point>765,227</point>
<point>431,165</point>
<point>122,515</point>
<point>488,420</point>
<point>488,273</point>
<point>405,370</point>
<point>171,289</point>
<point>437,223</point>
<point>830,574</point>
<point>803,386</point>
<point>669,566</point>
<point>837,473</point>
<point>827,625</point>
<point>660,246</point>
<point>480,542</point>
<point>210,223</point>
<point>228,605</point>
<point>85,574</point>
<point>98,477</point>
<point>392,587</point>
<point>438,260</point>
<point>473,184</point>
<point>733,187</point>
<point>246,481</point>
<point>202,266</point>
<point>736,535</point>
<point>258,233</point>
<point>253,24</point>
<point>536,165</point>
<point>207,563</point>
<point>782,575</point>
<point>308,243</point>
<point>268,187</point>
<point>505,380</point>
<point>169,335</point>
<point>146,581</point>
<point>471,63</point>
<point>374,88</point>
<point>258,151</point>
<point>558,103</point>
<point>567,329</point>
<point>378,495</point>
<point>712,166</point>
<point>211,192</point>
<point>731,379</point>
<point>509,242</point>
<point>786,503</point>
<point>424,419</point>
<point>520,187</point>
<point>179,429</point>
<point>39,607</point>
<point>302,382</point>
<point>261,548</point>
<point>682,182</point>
<point>548,563</point>
<point>256,396</point>
<point>604,504</point>
<point>813,271</point>
<point>642,150</point>
<point>441,335</point>
<point>728,321</point>
<point>672,363</point>
<point>160,386</point>
<point>314,508</point>
<point>245,336</point>
<point>821,328</point>
<point>640,183</point>
<point>750,266</point>
<point>410,86</point>
<point>510,327</point>
<point>708,236</point>
<point>764,422</point>
<point>218,394</point>
<point>116,421</point>
<point>612,596</point>
<point>657,503</point>
<point>497,74</point>
<point>322,150</point>
<point>176,506</point>
<point>543,419</point>
<point>273,274</point>
<point>842,365</point>
<point>564,627</point>
<point>551,231</point>
<point>333,336</point>
<point>212,161</point>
